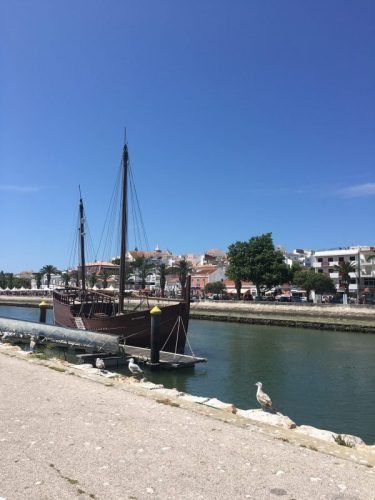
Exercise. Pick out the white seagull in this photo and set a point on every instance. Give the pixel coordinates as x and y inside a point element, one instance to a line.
<point>33,343</point>
<point>99,363</point>
<point>134,368</point>
<point>263,399</point>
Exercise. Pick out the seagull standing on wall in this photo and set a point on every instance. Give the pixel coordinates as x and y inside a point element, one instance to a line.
<point>134,368</point>
<point>263,399</point>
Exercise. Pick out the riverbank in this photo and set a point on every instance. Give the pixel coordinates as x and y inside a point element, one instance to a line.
<point>338,317</point>
<point>75,432</point>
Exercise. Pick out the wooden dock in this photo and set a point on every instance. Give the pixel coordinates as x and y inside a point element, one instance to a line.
<point>168,360</point>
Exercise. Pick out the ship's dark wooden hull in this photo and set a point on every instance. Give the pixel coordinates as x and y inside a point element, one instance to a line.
<point>134,328</point>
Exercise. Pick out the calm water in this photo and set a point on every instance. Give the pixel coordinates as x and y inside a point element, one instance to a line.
<point>319,378</point>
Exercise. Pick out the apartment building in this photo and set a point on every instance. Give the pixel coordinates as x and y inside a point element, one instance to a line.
<point>362,280</point>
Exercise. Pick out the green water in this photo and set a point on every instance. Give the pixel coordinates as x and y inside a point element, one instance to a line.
<point>320,378</point>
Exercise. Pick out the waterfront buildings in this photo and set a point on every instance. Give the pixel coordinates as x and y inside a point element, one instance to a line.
<point>362,279</point>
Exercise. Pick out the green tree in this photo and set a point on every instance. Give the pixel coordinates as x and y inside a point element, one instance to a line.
<point>215,287</point>
<point>310,280</point>
<point>295,268</point>
<point>344,269</point>
<point>236,255</point>
<point>264,265</point>
<point>48,270</point>
<point>2,280</point>
<point>324,284</point>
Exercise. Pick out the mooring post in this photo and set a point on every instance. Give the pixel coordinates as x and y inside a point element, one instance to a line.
<point>42,312</point>
<point>155,335</point>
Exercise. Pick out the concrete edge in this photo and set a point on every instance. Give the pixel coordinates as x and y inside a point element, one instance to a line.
<point>361,456</point>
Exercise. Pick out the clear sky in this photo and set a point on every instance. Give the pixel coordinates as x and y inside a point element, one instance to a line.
<point>243,117</point>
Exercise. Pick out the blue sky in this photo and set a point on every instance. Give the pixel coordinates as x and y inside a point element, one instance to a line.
<point>243,117</point>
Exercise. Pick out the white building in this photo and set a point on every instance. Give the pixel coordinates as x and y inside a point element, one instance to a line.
<point>298,256</point>
<point>363,258</point>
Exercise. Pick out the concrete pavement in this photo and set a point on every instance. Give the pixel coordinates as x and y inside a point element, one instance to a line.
<point>63,437</point>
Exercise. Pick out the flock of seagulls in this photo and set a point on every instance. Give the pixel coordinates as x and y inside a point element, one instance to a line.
<point>263,399</point>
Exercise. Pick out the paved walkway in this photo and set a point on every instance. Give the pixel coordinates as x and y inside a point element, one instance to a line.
<point>64,437</point>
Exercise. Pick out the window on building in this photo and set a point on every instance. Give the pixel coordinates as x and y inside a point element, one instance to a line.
<point>320,259</point>
<point>320,271</point>
<point>369,282</point>
<point>352,257</point>
<point>330,259</point>
<point>330,270</point>
<point>341,259</point>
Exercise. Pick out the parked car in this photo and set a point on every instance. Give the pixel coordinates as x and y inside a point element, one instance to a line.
<point>337,299</point>
<point>296,299</point>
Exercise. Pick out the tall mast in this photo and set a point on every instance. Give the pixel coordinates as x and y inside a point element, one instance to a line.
<point>124,225</point>
<point>82,239</point>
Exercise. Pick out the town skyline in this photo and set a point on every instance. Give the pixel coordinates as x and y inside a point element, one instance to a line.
<point>194,257</point>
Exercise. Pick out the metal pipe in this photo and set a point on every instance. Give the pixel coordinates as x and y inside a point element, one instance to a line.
<point>98,341</point>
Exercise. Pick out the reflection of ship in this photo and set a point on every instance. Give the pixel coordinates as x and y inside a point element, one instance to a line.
<point>99,311</point>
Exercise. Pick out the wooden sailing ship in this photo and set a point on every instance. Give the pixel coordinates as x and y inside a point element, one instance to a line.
<point>129,319</point>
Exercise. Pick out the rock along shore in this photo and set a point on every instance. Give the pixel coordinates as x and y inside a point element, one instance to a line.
<point>69,431</point>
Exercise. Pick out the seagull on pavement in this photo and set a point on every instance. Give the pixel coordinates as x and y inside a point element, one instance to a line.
<point>263,399</point>
<point>33,343</point>
<point>99,363</point>
<point>134,368</point>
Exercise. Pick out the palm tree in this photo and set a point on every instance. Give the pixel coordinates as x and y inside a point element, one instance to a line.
<point>344,269</point>
<point>104,275</point>
<point>48,270</point>
<point>75,277</point>
<point>142,268</point>
<point>67,277</point>
<point>10,279</point>
<point>93,279</point>
<point>38,279</point>
<point>163,270</point>
<point>182,268</point>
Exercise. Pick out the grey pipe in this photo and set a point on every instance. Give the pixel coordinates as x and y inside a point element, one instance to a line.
<point>98,341</point>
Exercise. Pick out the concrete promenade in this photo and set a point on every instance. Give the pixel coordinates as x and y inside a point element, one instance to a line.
<point>63,436</point>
